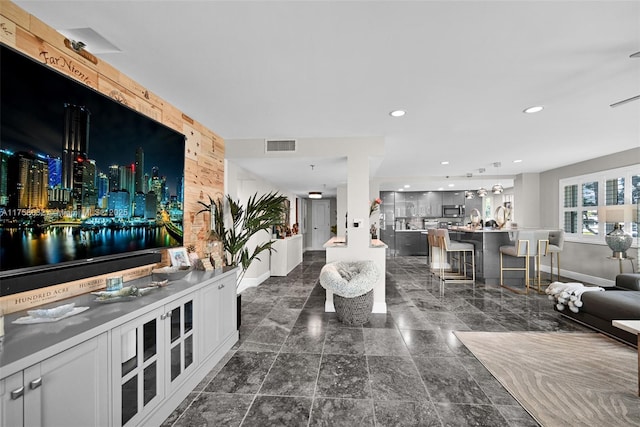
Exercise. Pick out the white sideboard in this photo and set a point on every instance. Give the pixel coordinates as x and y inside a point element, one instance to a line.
<point>287,255</point>
<point>126,363</point>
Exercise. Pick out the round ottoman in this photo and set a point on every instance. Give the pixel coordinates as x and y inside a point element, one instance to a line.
<point>352,284</point>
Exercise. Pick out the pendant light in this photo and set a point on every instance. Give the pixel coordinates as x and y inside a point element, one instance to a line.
<point>497,188</point>
<point>482,192</point>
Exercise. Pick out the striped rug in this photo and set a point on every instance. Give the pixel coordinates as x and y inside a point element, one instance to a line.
<point>563,379</point>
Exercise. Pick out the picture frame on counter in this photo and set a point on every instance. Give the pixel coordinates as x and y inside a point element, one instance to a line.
<point>179,257</point>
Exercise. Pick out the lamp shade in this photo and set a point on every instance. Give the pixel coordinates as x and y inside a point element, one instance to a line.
<point>617,213</point>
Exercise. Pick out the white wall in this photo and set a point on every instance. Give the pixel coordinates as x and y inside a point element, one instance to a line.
<point>527,200</point>
<point>583,261</point>
<point>240,184</point>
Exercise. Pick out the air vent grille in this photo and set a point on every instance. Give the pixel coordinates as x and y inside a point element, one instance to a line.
<point>280,145</point>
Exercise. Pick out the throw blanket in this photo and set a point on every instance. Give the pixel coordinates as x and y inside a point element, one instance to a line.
<point>569,294</point>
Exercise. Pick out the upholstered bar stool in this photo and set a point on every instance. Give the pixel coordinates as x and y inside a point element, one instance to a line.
<point>435,254</point>
<point>458,252</point>
<point>525,246</point>
<point>542,246</point>
<point>556,244</point>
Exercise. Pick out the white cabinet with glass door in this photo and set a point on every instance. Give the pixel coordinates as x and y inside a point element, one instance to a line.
<point>151,356</point>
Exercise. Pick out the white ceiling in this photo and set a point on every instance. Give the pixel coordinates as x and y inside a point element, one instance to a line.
<point>463,71</point>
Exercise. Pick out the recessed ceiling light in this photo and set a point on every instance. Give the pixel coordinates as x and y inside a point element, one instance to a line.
<point>444,162</point>
<point>452,185</point>
<point>397,113</point>
<point>517,161</point>
<point>440,189</point>
<point>407,186</point>
<point>400,189</point>
<point>534,109</point>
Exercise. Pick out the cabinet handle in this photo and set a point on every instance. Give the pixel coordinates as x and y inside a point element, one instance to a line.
<point>17,393</point>
<point>220,286</point>
<point>35,383</point>
<point>169,314</point>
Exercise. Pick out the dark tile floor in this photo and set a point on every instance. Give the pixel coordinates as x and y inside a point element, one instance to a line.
<point>296,365</point>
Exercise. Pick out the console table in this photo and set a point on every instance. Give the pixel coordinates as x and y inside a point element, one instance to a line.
<point>286,256</point>
<point>632,326</point>
<point>128,363</point>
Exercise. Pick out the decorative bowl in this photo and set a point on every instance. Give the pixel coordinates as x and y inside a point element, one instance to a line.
<point>169,273</point>
<point>52,313</point>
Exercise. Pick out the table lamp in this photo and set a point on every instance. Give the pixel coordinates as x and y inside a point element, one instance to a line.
<point>618,240</point>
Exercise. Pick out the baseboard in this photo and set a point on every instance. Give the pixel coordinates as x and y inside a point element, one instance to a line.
<point>579,277</point>
<point>252,282</point>
<point>379,307</point>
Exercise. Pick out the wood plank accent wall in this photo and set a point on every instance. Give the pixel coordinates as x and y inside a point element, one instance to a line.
<point>204,156</point>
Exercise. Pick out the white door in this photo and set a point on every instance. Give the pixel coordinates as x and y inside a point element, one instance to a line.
<point>320,228</point>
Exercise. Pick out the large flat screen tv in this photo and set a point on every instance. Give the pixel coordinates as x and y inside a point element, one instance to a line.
<point>84,180</point>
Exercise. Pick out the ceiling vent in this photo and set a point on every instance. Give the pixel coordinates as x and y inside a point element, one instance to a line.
<point>280,145</point>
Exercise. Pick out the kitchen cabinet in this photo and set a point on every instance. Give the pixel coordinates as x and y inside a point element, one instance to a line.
<point>388,236</point>
<point>387,209</point>
<point>433,204</point>
<point>406,205</point>
<point>68,389</point>
<point>411,243</point>
<point>453,198</point>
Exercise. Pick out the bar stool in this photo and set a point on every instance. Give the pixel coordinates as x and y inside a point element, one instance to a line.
<point>452,248</point>
<point>434,250</point>
<point>556,244</point>
<point>525,245</point>
<point>542,250</point>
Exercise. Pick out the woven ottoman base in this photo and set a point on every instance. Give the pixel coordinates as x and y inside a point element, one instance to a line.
<point>354,311</point>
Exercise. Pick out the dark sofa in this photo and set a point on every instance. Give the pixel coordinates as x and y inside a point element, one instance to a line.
<point>621,302</point>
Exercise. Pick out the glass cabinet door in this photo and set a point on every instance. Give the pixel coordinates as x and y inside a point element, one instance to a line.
<point>136,348</point>
<point>180,339</point>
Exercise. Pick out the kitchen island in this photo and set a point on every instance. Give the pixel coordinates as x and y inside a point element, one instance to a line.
<point>487,244</point>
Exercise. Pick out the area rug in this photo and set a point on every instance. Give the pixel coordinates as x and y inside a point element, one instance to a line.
<point>563,379</point>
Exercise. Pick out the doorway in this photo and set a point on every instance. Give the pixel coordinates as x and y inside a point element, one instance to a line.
<point>320,223</point>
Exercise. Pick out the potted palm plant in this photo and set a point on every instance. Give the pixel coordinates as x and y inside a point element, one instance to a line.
<point>234,225</point>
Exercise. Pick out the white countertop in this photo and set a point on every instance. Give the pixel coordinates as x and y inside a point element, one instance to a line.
<point>340,242</point>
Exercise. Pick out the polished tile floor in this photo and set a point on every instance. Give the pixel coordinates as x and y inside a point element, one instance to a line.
<point>296,365</point>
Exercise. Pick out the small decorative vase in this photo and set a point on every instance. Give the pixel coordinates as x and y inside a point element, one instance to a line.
<point>619,242</point>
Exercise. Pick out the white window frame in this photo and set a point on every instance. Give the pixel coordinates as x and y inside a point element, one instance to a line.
<point>600,177</point>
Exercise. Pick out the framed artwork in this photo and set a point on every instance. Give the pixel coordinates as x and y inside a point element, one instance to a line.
<point>179,257</point>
